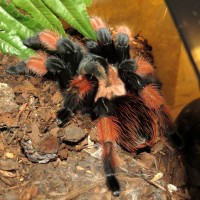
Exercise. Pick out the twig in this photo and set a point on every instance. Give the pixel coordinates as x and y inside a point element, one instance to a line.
<point>123,178</point>
<point>16,186</point>
<point>6,181</point>
<point>12,138</point>
<point>155,184</point>
<point>75,193</point>
<point>21,110</point>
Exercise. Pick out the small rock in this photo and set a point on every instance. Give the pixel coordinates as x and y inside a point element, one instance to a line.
<point>61,133</point>
<point>48,144</point>
<point>20,134</point>
<point>35,156</point>
<point>7,103</point>
<point>8,164</point>
<point>63,154</point>
<point>172,188</point>
<point>57,97</point>
<point>9,155</point>
<point>74,133</point>
<point>54,131</point>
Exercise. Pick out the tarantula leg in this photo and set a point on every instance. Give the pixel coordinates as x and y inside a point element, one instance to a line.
<point>104,39</point>
<point>73,99</point>
<point>107,133</point>
<point>63,115</point>
<point>55,65</point>
<point>45,40</point>
<point>94,65</point>
<point>94,48</point>
<point>137,73</point>
<point>64,48</point>
<point>18,69</point>
<point>136,82</point>
<point>71,53</point>
<point>148,89</point>
<point>123,38</point>
<point>109,169</point>
<point>128,65</point>
<point>139,66</point>
<point>108,129</point>
<point>35,64</point>
<point>132,80</point>
<point>152,97</point>
<point>144,68</point>
<point>154,100</point>
<point>71,103</point>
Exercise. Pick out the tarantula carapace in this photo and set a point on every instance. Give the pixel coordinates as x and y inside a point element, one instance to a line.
<point>109,79</point>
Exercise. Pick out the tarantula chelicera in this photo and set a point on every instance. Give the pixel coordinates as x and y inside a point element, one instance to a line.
<point>109,79</point>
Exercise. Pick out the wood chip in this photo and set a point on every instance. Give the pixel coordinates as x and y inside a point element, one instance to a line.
<point>172,188</point>
<point>7,174</point>
<point>35,132</point>
<point>9,155</point>
<point>158,176</point>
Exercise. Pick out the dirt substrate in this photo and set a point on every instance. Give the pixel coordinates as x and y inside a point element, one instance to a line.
<point>39,160</point>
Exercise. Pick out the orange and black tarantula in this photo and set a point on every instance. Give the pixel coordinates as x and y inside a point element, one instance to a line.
<point>109,79</point>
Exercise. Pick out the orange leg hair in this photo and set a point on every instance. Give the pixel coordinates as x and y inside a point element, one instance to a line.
<point>82,84</point>
<point>36,64</point>
<point>108,133</point>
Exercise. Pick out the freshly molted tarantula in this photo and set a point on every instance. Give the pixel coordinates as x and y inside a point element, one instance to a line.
<point>112,80</point>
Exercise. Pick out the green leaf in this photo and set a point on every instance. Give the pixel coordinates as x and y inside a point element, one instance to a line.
<point>38,10</point>
<point>74,12</point>
<point>15,23</point>
<point>88,2</point>
<point>15,26</point>
<point>13,44</point>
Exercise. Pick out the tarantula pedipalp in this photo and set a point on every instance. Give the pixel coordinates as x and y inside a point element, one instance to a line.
<point>108,79</point>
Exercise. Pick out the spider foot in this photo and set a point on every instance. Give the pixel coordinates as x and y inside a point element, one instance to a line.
<point>33,42</point>
<point>18,69</point>
<point>113,185</point>
<point>63,116</point>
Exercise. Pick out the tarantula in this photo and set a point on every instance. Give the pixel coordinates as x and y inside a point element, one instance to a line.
<point>108,79</point>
